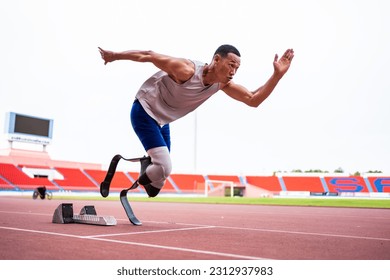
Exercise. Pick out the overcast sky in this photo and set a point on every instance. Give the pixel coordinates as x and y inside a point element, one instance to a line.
<point>331,110</point>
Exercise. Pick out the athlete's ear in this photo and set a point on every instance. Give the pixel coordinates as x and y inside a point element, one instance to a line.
<point>217,58</point>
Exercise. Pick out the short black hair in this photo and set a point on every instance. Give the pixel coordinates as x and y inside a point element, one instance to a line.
<point>223,50</point>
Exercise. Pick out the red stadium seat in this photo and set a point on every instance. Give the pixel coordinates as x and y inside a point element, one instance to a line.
<point>18,178</point>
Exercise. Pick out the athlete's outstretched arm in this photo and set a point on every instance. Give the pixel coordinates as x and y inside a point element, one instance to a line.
<point>179,69</point>
<point>255,98</point>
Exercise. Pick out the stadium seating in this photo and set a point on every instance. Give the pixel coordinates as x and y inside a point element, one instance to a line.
<point>346,184</point>
<point>12,177</point>
<point>18,178</point>
<point>121,180</point>
<point>75,180</point>
<point>379,184</point>
<point>188,182</point>
<point>312,184</point>
<point>269,183</point>
<point>5,186</point>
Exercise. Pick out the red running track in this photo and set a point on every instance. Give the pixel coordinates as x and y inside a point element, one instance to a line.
<point>180,231</point>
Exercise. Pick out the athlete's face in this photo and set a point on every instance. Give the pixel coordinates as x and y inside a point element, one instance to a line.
<point>227,67</point>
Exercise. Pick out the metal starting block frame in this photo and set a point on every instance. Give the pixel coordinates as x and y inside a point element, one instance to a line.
<point>64,215</point>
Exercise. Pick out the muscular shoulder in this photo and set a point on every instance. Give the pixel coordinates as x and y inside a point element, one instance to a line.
<point>182,70</point>
<point>179,69</point>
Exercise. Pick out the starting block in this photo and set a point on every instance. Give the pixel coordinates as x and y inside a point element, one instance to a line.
<point>64,215</point>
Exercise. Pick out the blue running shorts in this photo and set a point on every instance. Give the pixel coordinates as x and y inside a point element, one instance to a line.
<point>149,132</point>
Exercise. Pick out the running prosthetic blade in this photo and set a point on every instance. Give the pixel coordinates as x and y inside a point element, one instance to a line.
<point>105,185</point>
<point>126,205</point>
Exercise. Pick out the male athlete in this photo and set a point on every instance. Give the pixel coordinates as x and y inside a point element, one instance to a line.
<point>178,89</point>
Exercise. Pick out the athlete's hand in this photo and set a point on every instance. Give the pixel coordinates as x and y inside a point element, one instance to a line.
<point>107,56</point>
<point>283,64</point>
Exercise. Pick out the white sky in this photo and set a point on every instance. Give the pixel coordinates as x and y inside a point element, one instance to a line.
<point>331,110</point>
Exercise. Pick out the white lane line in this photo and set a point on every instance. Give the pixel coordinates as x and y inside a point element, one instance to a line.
<point>295,232</point>
<point>245,228</point>
<point>182,249</point>
<point>26,213</point>
<point>310,233</point>
<point>172,248</point>
<point>150,231</point>
<point>41,232</point>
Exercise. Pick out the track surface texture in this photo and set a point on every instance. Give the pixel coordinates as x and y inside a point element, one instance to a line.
<point>183,231</point>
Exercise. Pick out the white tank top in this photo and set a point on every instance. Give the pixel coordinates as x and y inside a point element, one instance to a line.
<point>166,101</point>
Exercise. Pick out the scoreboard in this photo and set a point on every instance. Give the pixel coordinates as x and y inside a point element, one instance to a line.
<point>30,129</point>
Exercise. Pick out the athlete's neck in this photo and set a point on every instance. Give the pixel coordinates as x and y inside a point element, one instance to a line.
<point>208,75</point>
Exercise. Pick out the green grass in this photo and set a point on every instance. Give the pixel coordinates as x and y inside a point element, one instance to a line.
<point>328,202</point>
<point>324,202</point>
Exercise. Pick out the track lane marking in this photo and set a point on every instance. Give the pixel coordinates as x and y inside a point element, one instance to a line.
<point>296,232</point>
<point>182,249</point>
<point>311,233</point>
<point>40,232</point>
<point>241,228</point>
<point>172,248</point>
<point>150,231</point>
